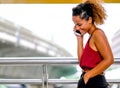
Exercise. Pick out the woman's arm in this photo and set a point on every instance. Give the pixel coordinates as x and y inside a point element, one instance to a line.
<point>79,47</point>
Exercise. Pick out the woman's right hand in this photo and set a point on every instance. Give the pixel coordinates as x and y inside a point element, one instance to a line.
<point>77,33</point>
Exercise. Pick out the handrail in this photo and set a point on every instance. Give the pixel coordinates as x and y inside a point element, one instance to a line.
<point>45,61</point>
<point>74,81</point>
<point>38,60</point>
<point>117,61</point>
<point>20,81</point>
<point>50,81</point>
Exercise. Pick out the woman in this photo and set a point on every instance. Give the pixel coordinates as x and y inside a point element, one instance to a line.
<point>96,56</point>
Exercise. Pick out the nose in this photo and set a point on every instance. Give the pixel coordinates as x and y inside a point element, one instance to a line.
<point>74,27</point>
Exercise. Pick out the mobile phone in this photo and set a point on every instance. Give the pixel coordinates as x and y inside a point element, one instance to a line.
<point>77,32</point>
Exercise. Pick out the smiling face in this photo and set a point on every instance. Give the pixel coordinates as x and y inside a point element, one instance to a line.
<point>81,24</point>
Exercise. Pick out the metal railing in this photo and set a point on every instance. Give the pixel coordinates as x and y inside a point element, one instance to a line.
<point>44,61</point>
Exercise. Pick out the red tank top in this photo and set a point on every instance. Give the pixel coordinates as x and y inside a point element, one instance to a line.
<point>90,58</point>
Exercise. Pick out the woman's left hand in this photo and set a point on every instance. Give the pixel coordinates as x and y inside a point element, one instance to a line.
<point>86,78</point>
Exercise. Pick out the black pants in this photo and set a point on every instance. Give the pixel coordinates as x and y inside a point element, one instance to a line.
<point>98,81</point>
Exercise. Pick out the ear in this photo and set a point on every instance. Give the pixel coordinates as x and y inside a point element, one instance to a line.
<point>90,20</point>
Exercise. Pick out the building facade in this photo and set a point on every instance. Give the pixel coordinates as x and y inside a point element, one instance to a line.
<point>116,44</point>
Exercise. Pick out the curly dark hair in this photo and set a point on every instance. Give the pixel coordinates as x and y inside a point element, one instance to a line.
<point>90,8</point>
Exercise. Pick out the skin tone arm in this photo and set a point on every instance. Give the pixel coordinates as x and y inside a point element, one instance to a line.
<point>79,43</point>
<point>102,45</point>
<point>79,47</point>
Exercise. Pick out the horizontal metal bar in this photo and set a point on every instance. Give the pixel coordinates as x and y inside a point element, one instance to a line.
<point>74,81</point>
<point>62,81</point>
<point>20,81</point>
<point>113,80</point>
<point>38,60</point>
<point>117,61</point>
<point>50,81</point>
<point>43,60</point>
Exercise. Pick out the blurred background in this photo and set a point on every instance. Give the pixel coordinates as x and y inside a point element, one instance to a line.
<point>33,28</point>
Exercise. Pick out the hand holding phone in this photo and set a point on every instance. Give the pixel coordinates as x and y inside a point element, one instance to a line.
<point>77,32</point>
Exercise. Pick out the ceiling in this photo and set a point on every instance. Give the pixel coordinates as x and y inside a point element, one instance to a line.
<point>52,1</point>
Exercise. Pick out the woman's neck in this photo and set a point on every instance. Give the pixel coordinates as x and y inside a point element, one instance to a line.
<point>92,29</point>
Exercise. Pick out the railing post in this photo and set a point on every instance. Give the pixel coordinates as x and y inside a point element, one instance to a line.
<point>44,76</point>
